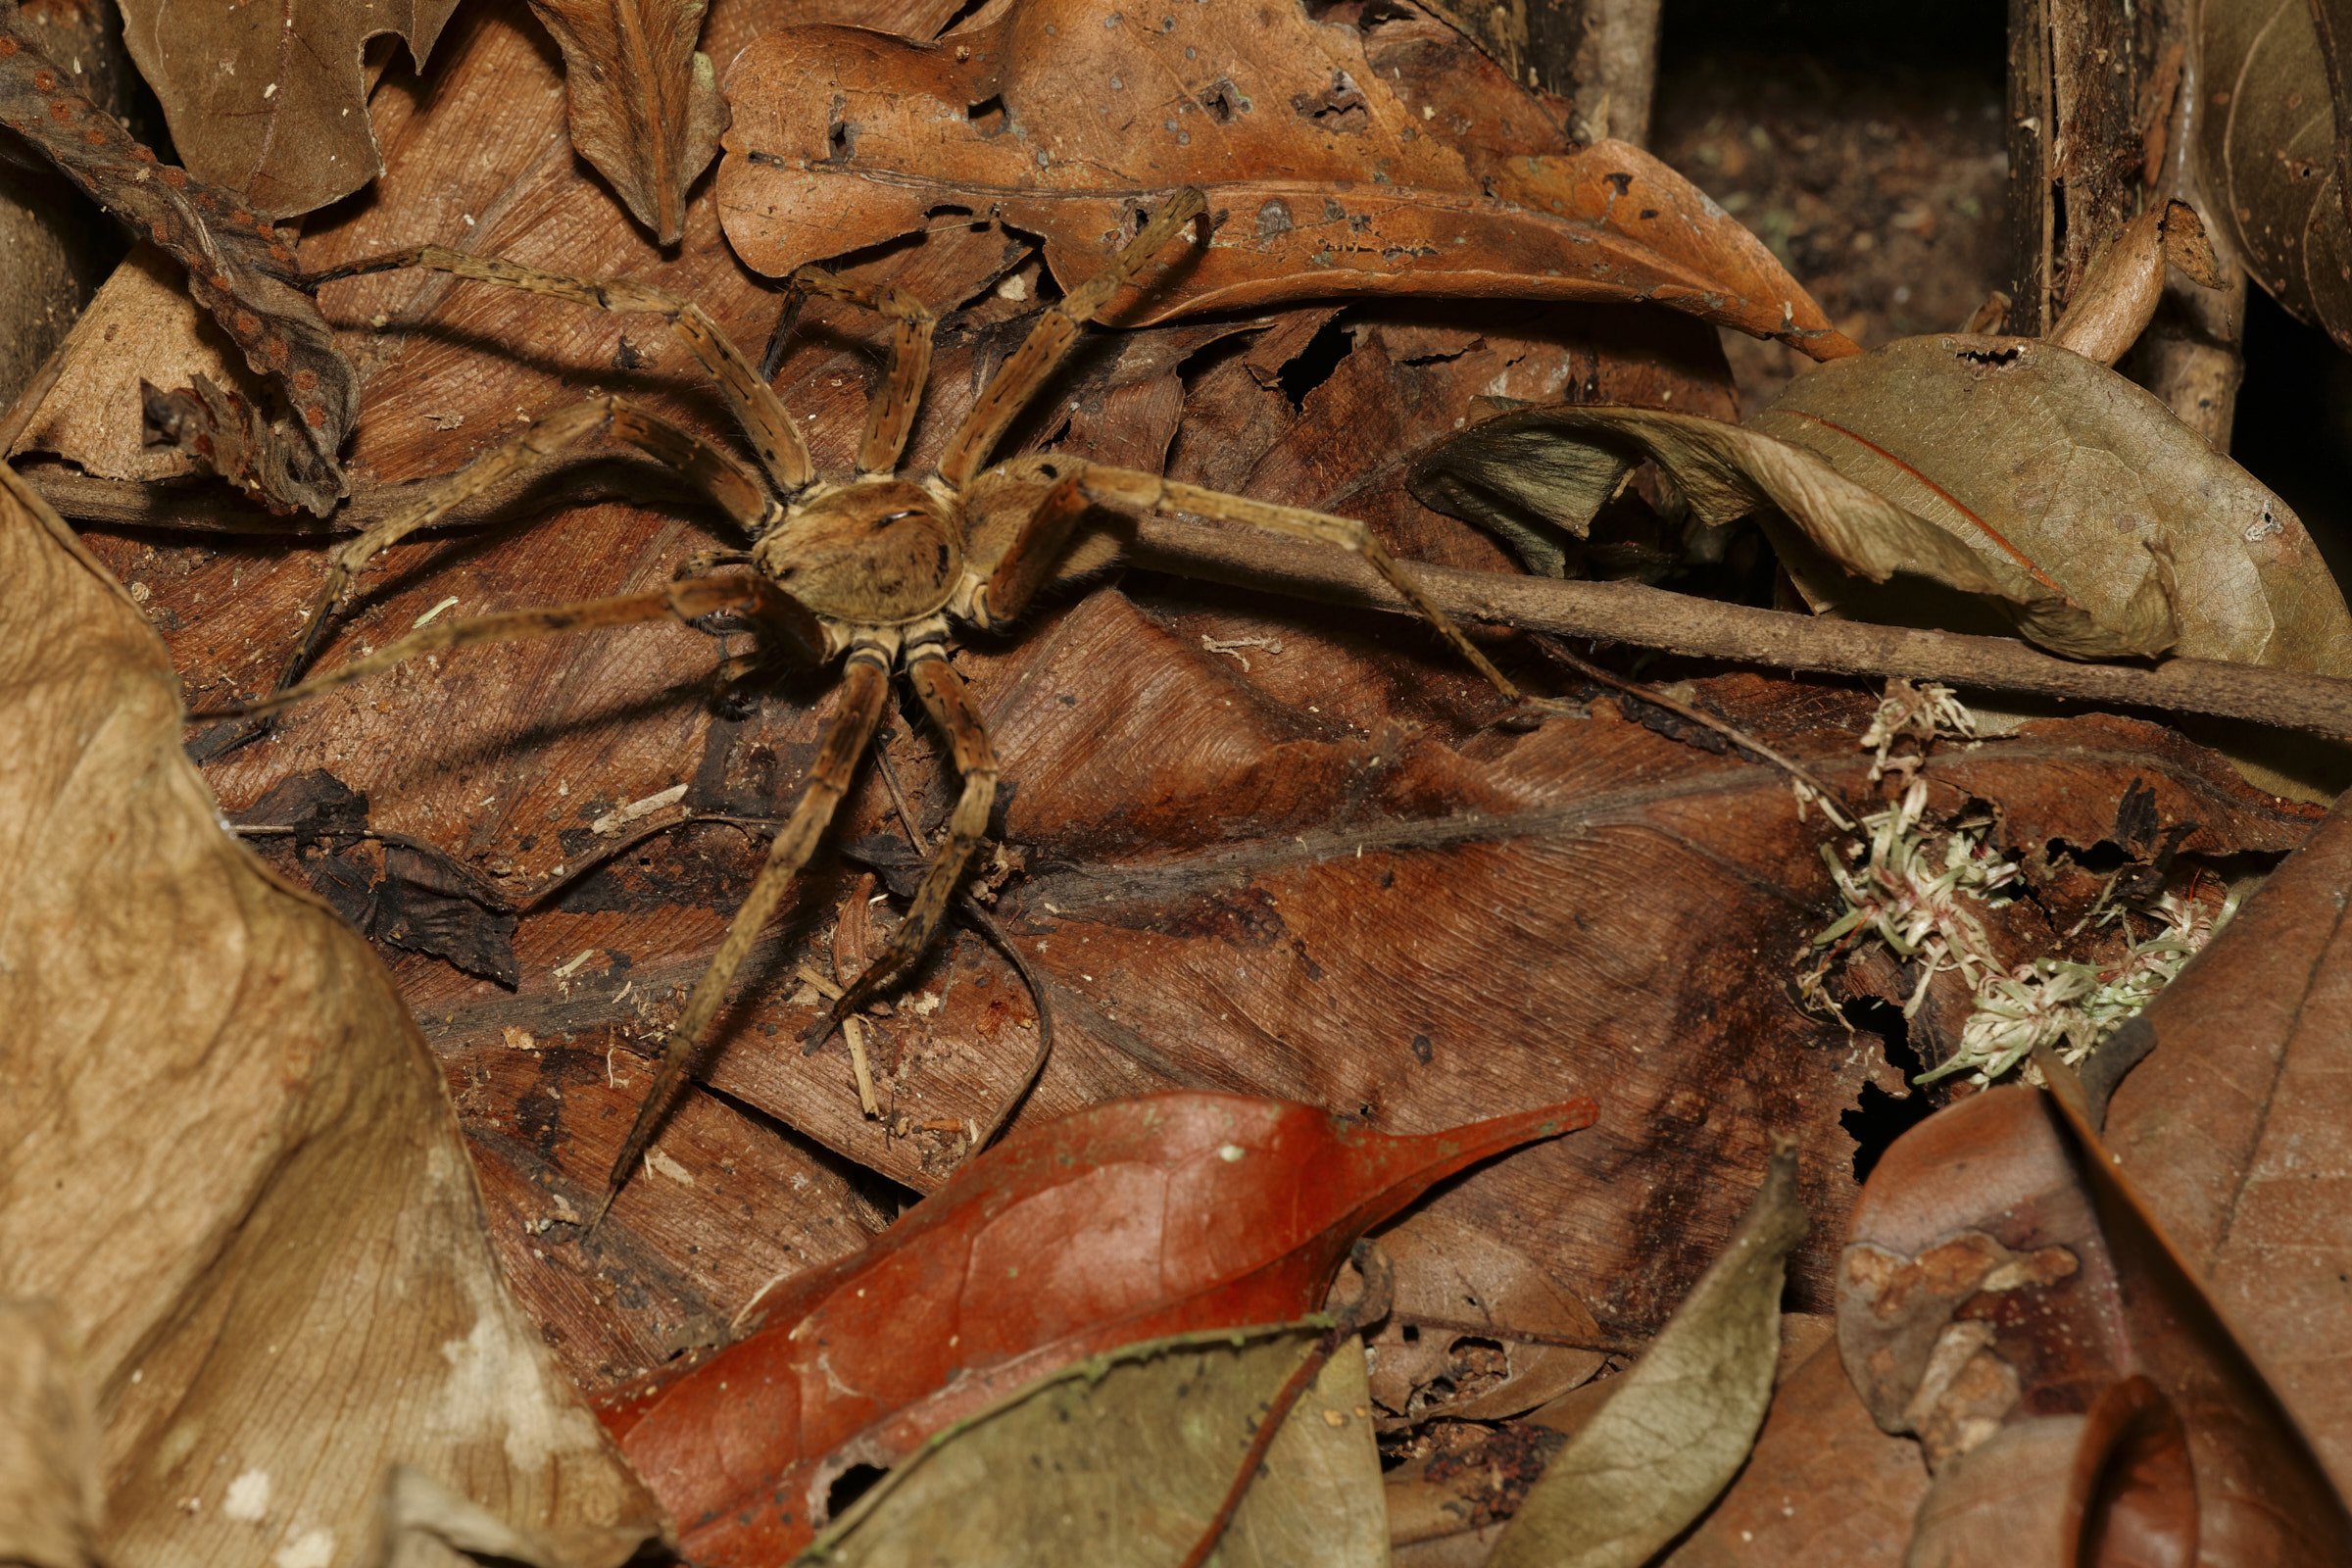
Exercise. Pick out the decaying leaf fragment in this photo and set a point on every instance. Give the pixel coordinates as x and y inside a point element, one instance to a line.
<point>1123,1461</point>
<point>1681,1422</point>
<point>644,104</point>
<point>1467,1335</point>
<point>1125,1222</point>
<point>232,1167</point>
<point>272,100</point>
<point>1056,117</point>
<point>237,268</point>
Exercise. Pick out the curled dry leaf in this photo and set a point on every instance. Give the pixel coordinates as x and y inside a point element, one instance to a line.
<point>1677,1426</point>
<point>2271,138</point>
<point>2106,525</point>
<point>1056,116</point>
<point>237,268</point>
<point>1126,1222</point>
<point>2231,1128</point>
<point>2098,1487</point>
<point>644,104</point>
<point>234,1172</point>
<point>1477,1329</point>
<point>1124,1460</point>
<point>2001,1273</point>
<point>273,100</point>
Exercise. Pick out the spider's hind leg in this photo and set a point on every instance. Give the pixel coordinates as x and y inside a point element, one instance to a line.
<point>1150,492</point>
<point>682,601</point>
<point>866,682</point>
<point>951,707</point>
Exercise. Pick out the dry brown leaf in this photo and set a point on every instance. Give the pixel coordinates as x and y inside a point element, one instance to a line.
<point>2233,1127</point>
<point>272,100</point>
<point>1467,1336</point>
<point>234,1170</point>
<point>1124,1462</point>
<point>1055,117</point>
<point>1523,471</point>
<point>2269,144</point>
<point>2052,475</point>
<point>645,105</point>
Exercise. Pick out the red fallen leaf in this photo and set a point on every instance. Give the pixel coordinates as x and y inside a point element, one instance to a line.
<point>1128,1221</point>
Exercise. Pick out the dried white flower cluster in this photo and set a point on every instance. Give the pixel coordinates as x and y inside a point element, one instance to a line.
<point>1917,887</point>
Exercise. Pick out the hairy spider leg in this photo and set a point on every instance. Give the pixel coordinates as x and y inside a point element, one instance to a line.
<point>952,708</point>
<point>782,452</point>
<point>725,481</point>
<point>1050,340</point>
<point>865,681</point>
<point>1151,493</point>
<point>1029,562</point>
<point>890,413</point>
<point>685,602</point>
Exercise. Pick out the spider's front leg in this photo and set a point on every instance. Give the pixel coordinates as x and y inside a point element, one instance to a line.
<point>717,477</point>
<point>951,707</point>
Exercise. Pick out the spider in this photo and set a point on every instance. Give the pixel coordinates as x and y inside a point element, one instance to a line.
<point>871,570</point>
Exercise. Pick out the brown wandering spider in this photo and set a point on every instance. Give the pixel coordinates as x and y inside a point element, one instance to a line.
<point>873,569</point>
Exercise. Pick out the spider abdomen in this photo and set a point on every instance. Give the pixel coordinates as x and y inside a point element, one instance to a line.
<point>877,553</point>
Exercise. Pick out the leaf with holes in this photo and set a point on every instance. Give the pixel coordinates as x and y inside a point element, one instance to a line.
<point>1131,1221</point>
<point>2006,1298</point>
<point>1056,117</point>
<point>2271,138</point>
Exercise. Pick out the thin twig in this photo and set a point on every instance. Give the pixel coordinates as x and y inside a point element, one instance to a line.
<point>1651,618</point>
<point>1738,737</point>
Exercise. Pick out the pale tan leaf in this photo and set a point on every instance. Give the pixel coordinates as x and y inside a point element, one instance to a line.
<point>1682,1421</point>
<point>233,1165</point>
<point>49,1499</point>
<point>2032,453</point>
<point>270,99</point>
<point>1533,471</point>
<point>1123,1461</point>
<point>644,106</point>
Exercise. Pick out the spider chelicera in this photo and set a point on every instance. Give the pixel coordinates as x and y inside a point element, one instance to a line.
<point>871,570</point>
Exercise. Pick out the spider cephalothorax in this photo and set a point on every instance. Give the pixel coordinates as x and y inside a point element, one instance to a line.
<point>872,569</point>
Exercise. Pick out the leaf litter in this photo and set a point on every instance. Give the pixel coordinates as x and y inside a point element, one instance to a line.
<point>1286,689</point>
